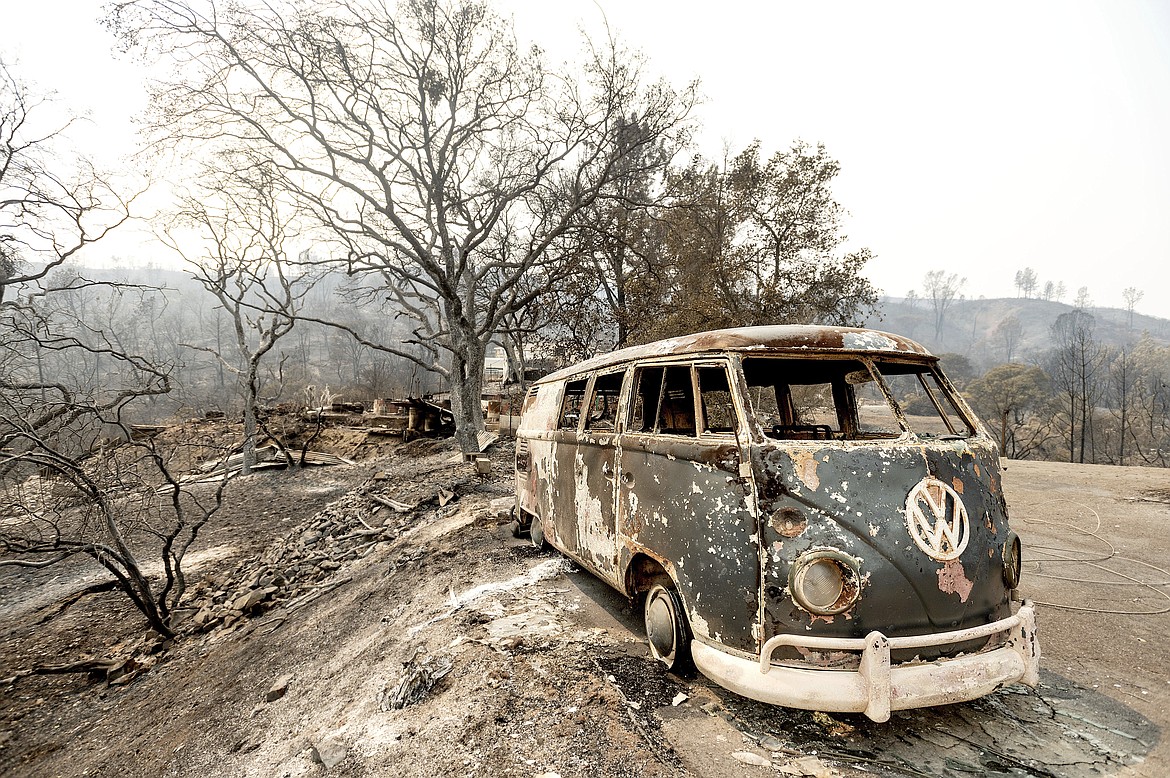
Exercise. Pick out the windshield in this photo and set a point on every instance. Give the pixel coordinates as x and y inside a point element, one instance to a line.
<point>842,399</point>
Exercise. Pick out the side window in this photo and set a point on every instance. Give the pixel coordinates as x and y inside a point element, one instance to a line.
<point>814,405</point>
<point>874,413</point>
<point>530,399</point>
<point>765,405</point>
<point>676,410</point>
<point>571,405</point>
<point>715,400</point>
<point>928,406</point>
<point>603,404</point>
<point>648,382</point>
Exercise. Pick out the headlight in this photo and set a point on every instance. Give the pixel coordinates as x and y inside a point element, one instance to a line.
<point>825,581</point>
<point>1012,561</point>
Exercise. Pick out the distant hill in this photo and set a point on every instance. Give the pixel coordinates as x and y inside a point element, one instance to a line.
<point>970,326</point>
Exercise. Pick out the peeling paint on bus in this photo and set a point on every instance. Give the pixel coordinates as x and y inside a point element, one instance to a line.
<point>799,490</point>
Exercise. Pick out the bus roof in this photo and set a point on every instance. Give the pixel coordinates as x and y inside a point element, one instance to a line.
<point>783,338</point>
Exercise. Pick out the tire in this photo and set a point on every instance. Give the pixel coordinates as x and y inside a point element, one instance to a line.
<point>536,533</point>
<point>667,629</point>
<point>514,528</point>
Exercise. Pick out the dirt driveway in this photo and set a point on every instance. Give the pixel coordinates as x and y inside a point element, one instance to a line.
<point>454,649</point>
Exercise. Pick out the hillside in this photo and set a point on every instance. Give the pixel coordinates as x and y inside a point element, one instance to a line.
<point>970,326</point>
<point>185,313</point>
<point>449,648</point>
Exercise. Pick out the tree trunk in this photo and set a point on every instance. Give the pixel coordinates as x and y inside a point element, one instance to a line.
<point>124,565</point>
<point>250,394</point>
<point>467,388</point>
<point>517,360</point>
<point>619,284</point>
<point>1124,427</point>
<point>1003,427</point>
<point>1084,406</point>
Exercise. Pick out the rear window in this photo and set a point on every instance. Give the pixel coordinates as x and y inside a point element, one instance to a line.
<point>570,416</point>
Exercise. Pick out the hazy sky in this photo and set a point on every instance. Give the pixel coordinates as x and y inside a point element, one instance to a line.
<point>977,138</point>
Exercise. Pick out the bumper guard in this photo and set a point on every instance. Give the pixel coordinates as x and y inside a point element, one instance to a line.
<point>876,687</point>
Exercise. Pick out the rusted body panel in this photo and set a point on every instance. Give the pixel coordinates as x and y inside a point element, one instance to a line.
<point>853,498</point>
<point>819,498</point>
<point>684,503</point>
<point>585,519</point>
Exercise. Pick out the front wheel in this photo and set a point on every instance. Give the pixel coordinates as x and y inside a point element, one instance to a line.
<point>667,628</point>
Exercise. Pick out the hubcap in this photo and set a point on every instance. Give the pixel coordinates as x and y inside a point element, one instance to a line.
<point>660,624</point>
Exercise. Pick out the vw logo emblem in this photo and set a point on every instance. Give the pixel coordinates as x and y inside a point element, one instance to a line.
<point>937,519</point>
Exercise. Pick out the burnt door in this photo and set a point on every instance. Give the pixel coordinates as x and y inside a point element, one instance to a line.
<point>595,465</point>
<point>682,498</point>
<point>561,476</point>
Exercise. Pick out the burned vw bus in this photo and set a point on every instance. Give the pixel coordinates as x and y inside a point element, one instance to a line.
<point>812,514</point>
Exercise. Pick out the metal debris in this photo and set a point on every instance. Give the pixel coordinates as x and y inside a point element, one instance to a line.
<point>419,676</point>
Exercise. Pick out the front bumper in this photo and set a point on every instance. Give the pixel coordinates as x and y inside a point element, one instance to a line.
<point>876,687</point>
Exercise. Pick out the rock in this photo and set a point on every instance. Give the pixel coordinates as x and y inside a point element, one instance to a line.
<point>278,688</point>
<point>811,766</point>
<point>771,743</point>
<point>747,757</point>
<point>128,669</point>
<point>209,622</point>
<point>238,602</point>
<point>121,671</point>
<point>247,601</point>
<point>329,753</point>
<point>679,699</point>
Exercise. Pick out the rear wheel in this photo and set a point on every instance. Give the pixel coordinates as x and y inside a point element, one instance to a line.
<point>536,532</point>
<point>667,628</point>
